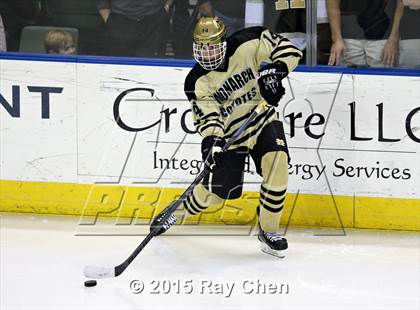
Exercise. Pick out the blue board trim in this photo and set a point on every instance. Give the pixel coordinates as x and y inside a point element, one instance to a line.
<point>187,63</point>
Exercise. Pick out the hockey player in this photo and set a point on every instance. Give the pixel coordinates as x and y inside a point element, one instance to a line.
<point>232,76</point>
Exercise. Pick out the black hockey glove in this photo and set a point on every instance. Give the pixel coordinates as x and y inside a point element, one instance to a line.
<point>211,150</point>
<point>269,82</point>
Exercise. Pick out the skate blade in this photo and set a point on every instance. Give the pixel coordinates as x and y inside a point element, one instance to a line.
<point>277,253</point>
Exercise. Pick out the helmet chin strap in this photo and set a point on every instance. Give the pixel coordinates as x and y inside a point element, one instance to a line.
<point>223,64</point>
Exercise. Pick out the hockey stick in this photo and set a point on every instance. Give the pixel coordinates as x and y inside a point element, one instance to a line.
<point>94,272</point>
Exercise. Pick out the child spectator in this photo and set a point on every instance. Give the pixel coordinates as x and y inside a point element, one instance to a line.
<point>59,42</point>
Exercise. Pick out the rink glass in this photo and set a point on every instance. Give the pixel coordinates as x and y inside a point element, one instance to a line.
<point>378,33</point>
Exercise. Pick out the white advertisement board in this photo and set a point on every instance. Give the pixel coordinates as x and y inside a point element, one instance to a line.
<point>348,134</point>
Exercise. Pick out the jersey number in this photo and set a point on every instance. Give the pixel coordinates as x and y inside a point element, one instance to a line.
<point>289,4</point>
<point>274,36</point>
<point>197,110</point>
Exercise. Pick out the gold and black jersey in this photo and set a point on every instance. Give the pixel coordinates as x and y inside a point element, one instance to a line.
<point>222,99</point>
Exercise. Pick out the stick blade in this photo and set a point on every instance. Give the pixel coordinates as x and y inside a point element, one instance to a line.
<point>94,272</point>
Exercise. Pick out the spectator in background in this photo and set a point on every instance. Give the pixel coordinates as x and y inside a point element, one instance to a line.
<point>17,14</point>
<point>289,19</point>
<point>181,29</point>
<point>3,46</point>
<point>59,42</point>
<point>136,28</point>
<point>364,33</point>
<point>231,12</point>
<point>410,34</point>
<point>412,4</point>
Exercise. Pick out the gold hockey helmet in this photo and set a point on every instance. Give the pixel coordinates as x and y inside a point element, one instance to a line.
<point>209,42</point>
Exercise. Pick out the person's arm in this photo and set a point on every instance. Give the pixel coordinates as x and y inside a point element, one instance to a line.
<point>205,110</point>
<point>338,47</point>
<point>104,8</point>
<point>282,57</point>
<point>205,8</point>
<point>168,5</point>
<point>105,14</point>
<point>390,53</point>
<point>207,119</point>
<point>276,49</point>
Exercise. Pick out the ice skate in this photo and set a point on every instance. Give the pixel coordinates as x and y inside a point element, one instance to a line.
<point>272,243</point>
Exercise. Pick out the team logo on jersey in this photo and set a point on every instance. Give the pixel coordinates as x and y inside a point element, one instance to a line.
<point>232,84</point>
<point>238,101</point>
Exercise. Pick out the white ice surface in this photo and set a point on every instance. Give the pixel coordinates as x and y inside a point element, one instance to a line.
<point>42,265</point>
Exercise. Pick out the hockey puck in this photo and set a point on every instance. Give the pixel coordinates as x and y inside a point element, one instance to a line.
<point>90,283</point>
